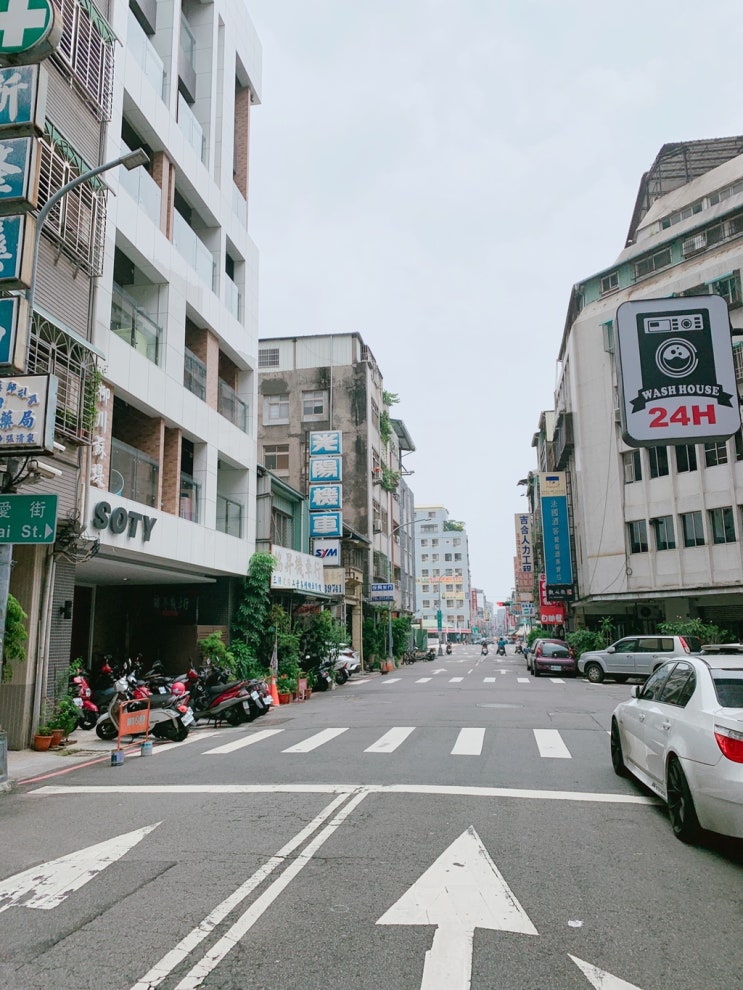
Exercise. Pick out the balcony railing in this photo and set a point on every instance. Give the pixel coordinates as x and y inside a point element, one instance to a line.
<point>140,47</point>
<point>194,374</point>
<point>229,516</point>
<point>132,325</point>
<point>233,299</point>
<point>232,408</point>
<point>192,249</point>
<point>190,499</point>
<point>192,129</point>
<point>239,205</point>
<point>142,188</point>
<point>133,474</point>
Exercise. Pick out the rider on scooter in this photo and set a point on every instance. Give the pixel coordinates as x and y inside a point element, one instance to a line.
<point>484,650</point>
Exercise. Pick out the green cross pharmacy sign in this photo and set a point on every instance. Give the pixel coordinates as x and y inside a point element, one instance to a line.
<point>30,30</point>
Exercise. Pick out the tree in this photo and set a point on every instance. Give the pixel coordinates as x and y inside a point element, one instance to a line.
<point>14,643</point>
<point>321,637</point>
<point>252,615</point>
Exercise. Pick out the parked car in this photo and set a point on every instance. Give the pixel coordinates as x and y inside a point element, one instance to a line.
<point>535,645</point>
<point>635,656</point>
<point>553,656</point>
<point>681,734</point>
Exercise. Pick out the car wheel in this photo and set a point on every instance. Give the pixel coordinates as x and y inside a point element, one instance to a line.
<point>617,756</point>
<point>681,810</point>
<point>594,673</point>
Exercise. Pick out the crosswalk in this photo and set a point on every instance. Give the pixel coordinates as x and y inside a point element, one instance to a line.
<point>469,741</point>
<point>459,679</point>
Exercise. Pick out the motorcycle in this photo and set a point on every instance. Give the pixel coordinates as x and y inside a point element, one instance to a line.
<point>484,650</point>
<point>431,654</point>
<point>501,651</point>
<point>81,696</point>
<point>170,714</point>
<point>325,675</point>
<point>216,699</point>
<point>448,649</point>
<point>519,649</point>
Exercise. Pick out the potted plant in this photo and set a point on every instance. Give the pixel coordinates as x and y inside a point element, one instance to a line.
<point>285,686</point>
<point>43,738</point>
<point>64,717</point>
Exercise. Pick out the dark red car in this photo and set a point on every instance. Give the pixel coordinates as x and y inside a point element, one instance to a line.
<point>552,656</point>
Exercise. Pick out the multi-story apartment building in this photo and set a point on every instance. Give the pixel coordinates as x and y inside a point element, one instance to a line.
<point>332,382</point>
<point>442,573</point>
<point>657,532</point>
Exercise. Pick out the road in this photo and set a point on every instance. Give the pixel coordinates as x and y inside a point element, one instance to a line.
<point>452,825</point>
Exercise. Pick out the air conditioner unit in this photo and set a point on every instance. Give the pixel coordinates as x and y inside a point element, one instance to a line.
<point>617,415</point>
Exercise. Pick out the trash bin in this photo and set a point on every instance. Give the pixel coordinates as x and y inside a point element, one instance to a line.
<point>3,756</point>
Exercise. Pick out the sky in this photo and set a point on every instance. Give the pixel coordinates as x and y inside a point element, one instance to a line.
<point>437,176</point>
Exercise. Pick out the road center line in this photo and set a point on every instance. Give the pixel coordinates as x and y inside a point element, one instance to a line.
<point>175,957</point>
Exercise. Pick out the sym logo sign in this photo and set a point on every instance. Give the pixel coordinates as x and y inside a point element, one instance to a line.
<point>327,550</point>
<point>677,373</point>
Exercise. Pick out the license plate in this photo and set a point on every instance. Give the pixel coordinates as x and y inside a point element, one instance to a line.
<point>254,695</point>
<point>78,702</point>
<point>188,718</point>
<point>555,666</point>
<point>162,690</point>
<point>246,706</point>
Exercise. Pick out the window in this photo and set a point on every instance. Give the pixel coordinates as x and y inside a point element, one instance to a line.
<point>276,409</point>
<point>447,556</point>
<point>86,51</point>
<point>426,603</point>
<point>665,538</point>
<point>424,543</point>
<point>609,282</point>
<point>686,457</point>
<point>658,459</point>
<point>638,536</point>
<point>655,683</point>
<point>282,528</point>
<point>268,357</point>
<point>723,525</point>
<point>632,466</point>
<point>428,529</point>
<point>425,588</point>
<point>425,556</point>
<point>693,527</point>
<point>728,288</point>
<point>315,405</point>
<point>434,557</point>
<point>457,556</point>
<point>680,685</point>
<point>424,572</point>
<point>457,541</point>
<point>739,445</point>
<point>653,263</point>
<point>608,331</point>
<point>434,543</point>
<point>276,456</point>
<point>715,453</point>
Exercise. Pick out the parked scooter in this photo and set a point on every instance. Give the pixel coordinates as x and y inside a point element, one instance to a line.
<point>214,699</point>
<point>325,675</point>
<point>170,715</point>
<point>81,694</point>
<point>431,654</point>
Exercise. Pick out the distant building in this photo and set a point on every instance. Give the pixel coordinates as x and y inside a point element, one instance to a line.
<point>442,572</point>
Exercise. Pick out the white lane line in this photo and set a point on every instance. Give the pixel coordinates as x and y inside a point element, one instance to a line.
<point>557,680</point>
<point>192,737</point>
<point>551,745</point>
<point>469,742</point>
<point>455,680</point>
<point>423,680</point>
<point>444,790</point>
<point>319,739</point>
<point>441,670</point>
<point>168,963</point>
<point>522,680</point>
<point>391,680</point>
<point>389,742</point>
<point>470,670</point>
<point>489,680</point>
<point>230,747</point>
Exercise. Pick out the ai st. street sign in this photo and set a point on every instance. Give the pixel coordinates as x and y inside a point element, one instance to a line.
<point>28,518</point>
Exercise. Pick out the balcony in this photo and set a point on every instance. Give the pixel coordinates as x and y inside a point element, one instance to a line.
<point>193,250</point>
<point>140,48</point>
<point>194,374</point>
<point>738,364</point>
<point>133,474</point>
<point>192,130</point>
<point>189,505</point>
<point>232,408</point>
<point>239,206</point>
<point>563,442</point>
<point>233,299</point>
<point>134,327</point>
<point>142,188</point>
<point>229,516</point>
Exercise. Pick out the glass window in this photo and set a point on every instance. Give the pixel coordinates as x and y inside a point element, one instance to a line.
<point>632,466</point>
<point>434,557</point>
<point>626,646</point>
<point>739,445</point>
<point>434,543</point>
<point>268,357</point>
<point>447,556</point>
<point>728,288</point>
<point>658,458</point>
<point>425,556</point>
<point>282,529</point>
<point>609,282</point>
<point>276,409</point>
<point>424,543</point>
<point>729,687</point>
<point>723,525</point>
<point>665,538</point>
<point>686,457</point>
<point>276,456</point>
<point>314,405</point>
<point>715,453</point>
<point>693,527</point>
<point>638,536</point>
<point>655,683</point>
<point>424,572</point>
<point>677,690</point>
<point>426,603</point>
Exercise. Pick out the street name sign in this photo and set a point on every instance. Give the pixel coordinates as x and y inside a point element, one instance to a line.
<point>28,518</point>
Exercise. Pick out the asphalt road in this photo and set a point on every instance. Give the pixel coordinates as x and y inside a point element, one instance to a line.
<point>453,824</point>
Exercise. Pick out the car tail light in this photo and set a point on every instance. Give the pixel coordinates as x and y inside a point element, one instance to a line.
<point>684,644</point>
<point>730,742</point>
<point>538,651</point>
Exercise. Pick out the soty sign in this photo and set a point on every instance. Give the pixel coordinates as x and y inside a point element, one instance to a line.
<point>677,376</point>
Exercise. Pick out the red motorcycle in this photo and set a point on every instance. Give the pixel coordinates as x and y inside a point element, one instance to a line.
<point>215,700</point>
<point>82,696</point>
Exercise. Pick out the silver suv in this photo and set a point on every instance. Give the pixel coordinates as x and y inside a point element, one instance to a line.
<point>635,656</point>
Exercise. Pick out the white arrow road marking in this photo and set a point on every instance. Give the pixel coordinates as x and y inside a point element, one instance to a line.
<point>600,979</point>
<point>390,740</point>
<point>48,885</point>
<point>463,890</point>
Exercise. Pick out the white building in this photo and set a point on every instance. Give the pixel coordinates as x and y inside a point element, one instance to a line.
<point>657,532</point>
<point>442,572</point>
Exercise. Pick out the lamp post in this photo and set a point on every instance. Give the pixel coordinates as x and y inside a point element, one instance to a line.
<point>130,160</point>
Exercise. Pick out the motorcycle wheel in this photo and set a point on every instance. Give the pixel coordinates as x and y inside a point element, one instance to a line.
<point>341,677</point>
<point>174,731</point>
<point>106,730</point>
<point>235,715</point>
<point>87,721</point>
<point>321,685</point>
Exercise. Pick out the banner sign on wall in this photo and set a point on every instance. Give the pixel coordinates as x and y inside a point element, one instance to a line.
<point>524,543</point>
<point>555,530</point>
<point>326,490</point>
<point>296,570</point>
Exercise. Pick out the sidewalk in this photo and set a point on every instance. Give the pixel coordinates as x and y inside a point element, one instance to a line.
<point>26,764</point>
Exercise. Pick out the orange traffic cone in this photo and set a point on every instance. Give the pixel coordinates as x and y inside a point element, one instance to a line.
<point>274,692</point>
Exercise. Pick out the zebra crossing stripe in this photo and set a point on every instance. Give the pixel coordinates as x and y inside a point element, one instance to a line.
<point>557,680</point>
<point>469,742</point>
<point>230,747</point>
<point>455,680</point>
<point>550,744</point>
<point>319,739</point>
<point>389,742</point>
<point>423,680</point>
<point>489,680</point>
<point>522,680</point>
<point>391,680</point>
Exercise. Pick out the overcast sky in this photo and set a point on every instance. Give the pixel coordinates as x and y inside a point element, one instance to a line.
<point>437,175</point>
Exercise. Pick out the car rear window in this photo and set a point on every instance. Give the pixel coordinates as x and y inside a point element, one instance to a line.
<point>694,643</point>
<point>555,650</point>
<point>729,687</point>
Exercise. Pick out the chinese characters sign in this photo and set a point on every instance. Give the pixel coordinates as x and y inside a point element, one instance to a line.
<point>28,518</point>
<point>296,570</point>
<point>555,531</point>
<point>22,100</point>
<point>27,409</point>
<point>326,491</point>
<point>524,543</point>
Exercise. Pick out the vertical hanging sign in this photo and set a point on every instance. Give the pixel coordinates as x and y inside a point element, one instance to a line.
<point>326,490</point>
<point>556,535</point>
<point>524,542</point>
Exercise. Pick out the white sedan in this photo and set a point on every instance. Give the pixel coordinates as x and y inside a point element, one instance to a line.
<point>681,734</point>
